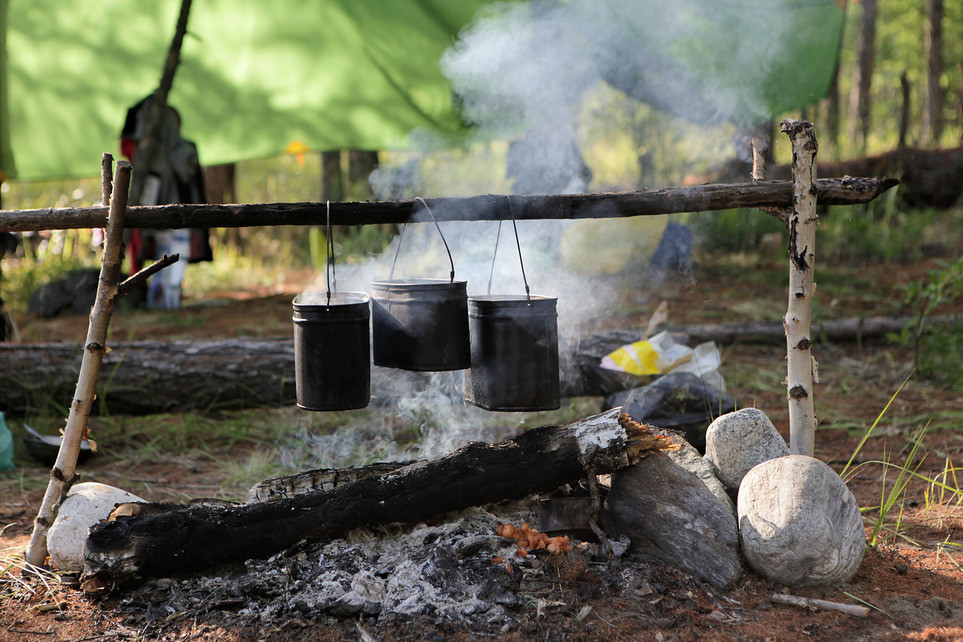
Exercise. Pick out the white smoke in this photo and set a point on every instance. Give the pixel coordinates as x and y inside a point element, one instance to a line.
<point>521,71</point>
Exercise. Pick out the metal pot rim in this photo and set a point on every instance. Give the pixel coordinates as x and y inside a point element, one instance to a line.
<point>320,299</point>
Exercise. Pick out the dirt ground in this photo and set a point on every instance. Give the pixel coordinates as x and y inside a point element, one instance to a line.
<point>912,581</point>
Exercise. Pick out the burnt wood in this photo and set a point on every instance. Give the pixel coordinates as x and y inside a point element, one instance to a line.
<point>487,207</point>
<point>196,538</point>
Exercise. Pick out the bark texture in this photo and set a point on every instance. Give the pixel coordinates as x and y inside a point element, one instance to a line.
<point>860,97</point>
<point>488,207</point>
<point>798,319</point>
<point>62,475</point>
<point>175,376</point>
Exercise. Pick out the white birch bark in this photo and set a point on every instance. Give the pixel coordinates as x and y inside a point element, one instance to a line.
<point>802,373</point>
<point>62,475</point>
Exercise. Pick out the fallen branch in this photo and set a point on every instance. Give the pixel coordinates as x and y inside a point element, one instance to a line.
<point>191,539</point>
<point>813,603</point>
<point>488,207</point>
<point>172,376</point>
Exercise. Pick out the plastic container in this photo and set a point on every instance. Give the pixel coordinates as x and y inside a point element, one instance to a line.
<point>6,445</point>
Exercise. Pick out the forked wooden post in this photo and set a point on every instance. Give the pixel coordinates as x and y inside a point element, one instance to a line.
<point>62,475</point>
<point>802,368</point>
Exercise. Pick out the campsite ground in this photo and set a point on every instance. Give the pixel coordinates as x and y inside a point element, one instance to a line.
<point>912,579</point>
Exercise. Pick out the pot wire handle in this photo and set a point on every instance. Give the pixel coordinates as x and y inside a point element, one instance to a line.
<point>330,276</point>
<point>491,273</point>
<point>451,261</point>
<point>518,244</point>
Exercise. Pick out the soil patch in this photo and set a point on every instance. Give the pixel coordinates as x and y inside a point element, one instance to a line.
<point>912,578</point>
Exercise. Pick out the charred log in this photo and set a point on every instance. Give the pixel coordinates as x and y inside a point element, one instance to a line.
<point>131,549</point>
<point>927,177</point>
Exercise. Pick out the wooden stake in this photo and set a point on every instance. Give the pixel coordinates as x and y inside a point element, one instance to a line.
<point>62,475</point>
<point>802,370</point>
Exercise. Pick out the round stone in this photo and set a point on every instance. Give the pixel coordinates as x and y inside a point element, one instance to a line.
<point>738,441</point>
<point>799,524</point>
<point>86,504</point>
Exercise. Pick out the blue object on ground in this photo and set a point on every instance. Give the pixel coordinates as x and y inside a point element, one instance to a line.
<point>6,446</point>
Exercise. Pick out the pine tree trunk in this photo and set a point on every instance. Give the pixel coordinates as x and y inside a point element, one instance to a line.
<point>933,46</point>
<point>860,99</point>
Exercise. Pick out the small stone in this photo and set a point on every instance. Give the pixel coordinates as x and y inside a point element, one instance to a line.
<point>86,504</point>
<point>669,513</point>
<point>738,441</point>
<point>799,523</point>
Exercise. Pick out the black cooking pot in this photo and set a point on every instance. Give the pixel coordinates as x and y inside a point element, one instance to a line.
<point>514,353</point>
<point>420,324</point>
<point>332,353</point>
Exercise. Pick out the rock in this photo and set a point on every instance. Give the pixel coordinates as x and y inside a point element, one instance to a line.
<point>690,459</point>
<point>799,523</point>
<point>667,512</point>
<point>740,440</point>
<point>86,504</point>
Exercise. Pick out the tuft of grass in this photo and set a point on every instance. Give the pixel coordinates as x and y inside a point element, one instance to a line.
<point>20,580</point>
<point>893,495</point>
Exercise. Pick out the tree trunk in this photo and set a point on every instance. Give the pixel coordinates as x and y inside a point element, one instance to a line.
<point>860,99</point>
<point>195,538</point>
<point>927,177</point>
<point>360,165</point>
<point>332,178</point>
<point>933,50</point>
<point>832,114</point>
<point>798,320</point>
<point>176,376</point>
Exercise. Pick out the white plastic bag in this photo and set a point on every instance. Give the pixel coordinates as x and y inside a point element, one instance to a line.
<point>660,354</point>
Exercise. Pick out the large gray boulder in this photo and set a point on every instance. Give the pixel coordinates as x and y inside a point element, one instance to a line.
<point>740,440</point>
<point>690,459</point>
<point>799,523</point>
<point>667,512</point>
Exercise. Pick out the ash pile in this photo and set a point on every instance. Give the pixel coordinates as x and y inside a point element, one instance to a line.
<point>454,573</point>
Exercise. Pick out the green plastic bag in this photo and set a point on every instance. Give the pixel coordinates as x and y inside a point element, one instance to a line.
<point>6,446</point>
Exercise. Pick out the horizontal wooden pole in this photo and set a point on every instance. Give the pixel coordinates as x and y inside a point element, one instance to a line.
<point>487,207</point>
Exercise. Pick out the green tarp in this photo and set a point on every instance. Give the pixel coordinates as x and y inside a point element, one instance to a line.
<point>339,74</point>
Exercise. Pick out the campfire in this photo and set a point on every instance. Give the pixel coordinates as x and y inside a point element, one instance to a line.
<point>459,536</point>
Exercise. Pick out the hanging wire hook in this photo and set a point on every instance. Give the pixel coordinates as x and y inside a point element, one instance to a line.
<point>330,276</point>
<point>438,227</point>
<point>491,273</point>
<point>518,244</point>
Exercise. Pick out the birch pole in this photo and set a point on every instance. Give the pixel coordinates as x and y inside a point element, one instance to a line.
<point>802,369</point>
<point>62,475</point>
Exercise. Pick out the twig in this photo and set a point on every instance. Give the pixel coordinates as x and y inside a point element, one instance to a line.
<point>593,488</point>
<point>62,475</point>
<point>759,147</point>
<point>813,603</point>
<point>124,288</point>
